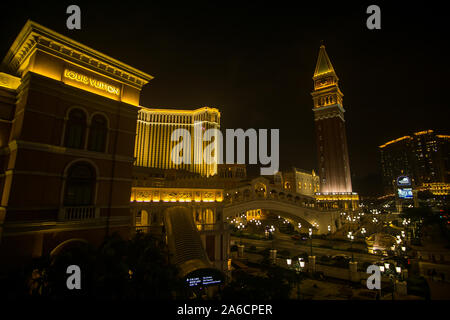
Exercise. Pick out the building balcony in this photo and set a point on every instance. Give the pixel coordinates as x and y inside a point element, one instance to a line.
<point>79,213</point>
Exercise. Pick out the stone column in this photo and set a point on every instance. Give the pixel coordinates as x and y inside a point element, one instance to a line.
<point>353,267</point>
<point>273,255</point>
<point>241,250</point>
<point>312,264</point>
<point>38,245</point>
<point>401,288</point>
<point>404,274</point>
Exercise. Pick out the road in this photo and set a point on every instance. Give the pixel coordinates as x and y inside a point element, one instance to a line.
<point>283,242</point>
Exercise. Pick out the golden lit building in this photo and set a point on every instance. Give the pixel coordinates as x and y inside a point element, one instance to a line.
<point>154,145</point>
<point>232,171</point>
<point>423,155</point>
<point>301,181</point>
<point>67,129</point>
<point>332,151</point>
<point>331,140</point>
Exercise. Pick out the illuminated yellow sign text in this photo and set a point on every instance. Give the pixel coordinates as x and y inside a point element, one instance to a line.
<point>91,82</point>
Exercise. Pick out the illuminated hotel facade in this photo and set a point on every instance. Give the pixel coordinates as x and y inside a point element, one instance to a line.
<point>423,155</point>
<point>76,147</point>
<point>154,145</point>
<point>67,133</point>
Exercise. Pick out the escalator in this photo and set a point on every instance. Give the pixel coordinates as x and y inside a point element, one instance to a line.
<point>186,248</point>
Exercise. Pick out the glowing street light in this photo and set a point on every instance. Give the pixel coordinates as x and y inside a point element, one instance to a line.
<point>351,237</point>
<point>301,262</point>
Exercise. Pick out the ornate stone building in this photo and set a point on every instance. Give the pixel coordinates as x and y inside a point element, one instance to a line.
<point>67,130</point>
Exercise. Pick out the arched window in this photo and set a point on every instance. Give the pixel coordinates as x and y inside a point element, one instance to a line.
<point>97,134</point>
<point>75,129</point>
<point>80,185</point>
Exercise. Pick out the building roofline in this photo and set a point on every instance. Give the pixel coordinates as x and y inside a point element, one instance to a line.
<point>32,31</point>
<point>183,111</point>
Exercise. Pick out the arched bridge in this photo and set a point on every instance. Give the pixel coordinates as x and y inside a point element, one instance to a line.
<point>259,195</point>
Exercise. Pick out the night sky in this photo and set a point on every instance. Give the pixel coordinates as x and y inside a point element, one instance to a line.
<point>254,62</point>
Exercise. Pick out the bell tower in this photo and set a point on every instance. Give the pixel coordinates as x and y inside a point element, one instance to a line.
<point>331,140</point>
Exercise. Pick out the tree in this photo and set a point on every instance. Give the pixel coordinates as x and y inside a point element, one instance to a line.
<point>118,269</point>
<point>276,285</point>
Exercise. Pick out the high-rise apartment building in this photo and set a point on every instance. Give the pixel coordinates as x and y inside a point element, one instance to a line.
<point>424,156</point>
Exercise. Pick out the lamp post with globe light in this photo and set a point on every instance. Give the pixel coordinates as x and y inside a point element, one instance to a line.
<point>298,267</point>
<point>351,237</point>
<point>394,275</point>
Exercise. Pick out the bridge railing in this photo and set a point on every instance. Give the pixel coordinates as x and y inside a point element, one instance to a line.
<point>282,197</point>
<point>213,226</point>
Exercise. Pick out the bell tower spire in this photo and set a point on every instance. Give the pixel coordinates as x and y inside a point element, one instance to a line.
<point>332,151</point>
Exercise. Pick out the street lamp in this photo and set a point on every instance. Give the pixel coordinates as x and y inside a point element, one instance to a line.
<point>240,228</point>
<point>298,268</point>
<point>351,237</point>
<point>310,236</point>
<point>301,263</point>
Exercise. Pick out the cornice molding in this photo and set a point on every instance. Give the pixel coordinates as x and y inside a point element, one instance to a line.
<point>37,37</point>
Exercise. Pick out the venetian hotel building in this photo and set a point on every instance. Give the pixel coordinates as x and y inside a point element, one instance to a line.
<point>68,117</point>
<point>154,143</point>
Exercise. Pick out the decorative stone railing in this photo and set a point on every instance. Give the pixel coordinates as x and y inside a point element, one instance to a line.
<point>80,213</point>
<point>212,227</point>
<point>289,198</point>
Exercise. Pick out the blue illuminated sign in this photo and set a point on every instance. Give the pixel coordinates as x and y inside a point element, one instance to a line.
<point>405,193</point>
<point>204,281</point>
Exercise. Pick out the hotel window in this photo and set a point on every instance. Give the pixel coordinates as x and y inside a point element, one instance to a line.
<point>75,129</point>
<point>98,133</point>
<point>80,185</point>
